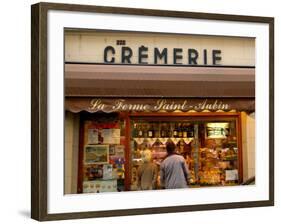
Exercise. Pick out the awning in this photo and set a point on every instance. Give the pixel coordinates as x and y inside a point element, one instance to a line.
<point>91,80</point>
<point>92,88</point>
<point>91,104</point>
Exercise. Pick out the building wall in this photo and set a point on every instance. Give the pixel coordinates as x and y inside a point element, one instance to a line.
<point>248,144</point>
<point>71,152</point>
<point>89,46</point>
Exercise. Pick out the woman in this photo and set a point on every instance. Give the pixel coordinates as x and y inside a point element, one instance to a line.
<point>147,172</point>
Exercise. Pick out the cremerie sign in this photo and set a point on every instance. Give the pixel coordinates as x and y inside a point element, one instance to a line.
<point>141,48</point>
<point>161,55</point>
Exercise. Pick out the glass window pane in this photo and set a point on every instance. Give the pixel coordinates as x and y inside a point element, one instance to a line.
<point>209,147</point>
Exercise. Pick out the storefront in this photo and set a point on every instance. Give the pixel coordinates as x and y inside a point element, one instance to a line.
<point>127,92</point>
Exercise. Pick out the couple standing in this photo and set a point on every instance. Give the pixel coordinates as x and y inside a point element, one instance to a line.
<point>173,171</point>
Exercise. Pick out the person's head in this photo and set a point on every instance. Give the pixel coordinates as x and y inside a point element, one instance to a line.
<point>146,156</point>
<point>170,147</point>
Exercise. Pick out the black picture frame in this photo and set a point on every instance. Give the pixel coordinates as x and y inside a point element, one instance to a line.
<point>39,106</point>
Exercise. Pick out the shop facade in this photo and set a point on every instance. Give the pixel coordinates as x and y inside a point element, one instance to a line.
<point>126,92</point>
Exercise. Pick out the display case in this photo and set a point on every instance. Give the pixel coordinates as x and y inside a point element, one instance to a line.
<point>218,153</point>
<point>209,145</point>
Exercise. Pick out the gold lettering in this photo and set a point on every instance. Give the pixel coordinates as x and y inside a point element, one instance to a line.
<point>159,105</point>
<point>200,106</point>
<point>138,107</point>
<point>211,106</point>
<point>118,105</point>
<point>184,105</point>
<point>96,104</point>
<point>224,106</point>
<point>162,104</point>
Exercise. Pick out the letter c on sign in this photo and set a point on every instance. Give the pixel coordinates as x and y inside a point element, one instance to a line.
<point>105,57</point>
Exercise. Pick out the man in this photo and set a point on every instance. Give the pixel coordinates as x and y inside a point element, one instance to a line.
<point>173,169</point>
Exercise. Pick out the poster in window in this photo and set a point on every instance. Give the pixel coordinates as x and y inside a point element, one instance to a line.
<point>93,136</point>
<point>111,136</point>
<point>96,154</point>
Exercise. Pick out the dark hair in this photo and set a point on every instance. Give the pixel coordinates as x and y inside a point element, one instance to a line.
<point>170,146</point>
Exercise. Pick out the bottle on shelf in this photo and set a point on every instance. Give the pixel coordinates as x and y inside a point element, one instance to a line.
<point>156,129</point>
<point>184,130</point>
<point>175,131</point>
<point>168,131</point>
<point>140,132</point>
<point>163,130</point>
<point>191,131</point>
<point>145,131</point>
<point>135,130</point>
<point>180,130</point>
<point>150,131</point>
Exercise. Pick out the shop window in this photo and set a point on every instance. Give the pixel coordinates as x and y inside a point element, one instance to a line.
<point>209,147</point>
<point>103,153</point>
<point>112,154</point>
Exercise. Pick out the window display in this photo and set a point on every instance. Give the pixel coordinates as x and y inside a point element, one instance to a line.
<point>104,153</point>
<point>124,153</point>
<point>209,147</point>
